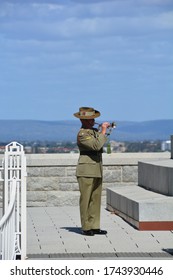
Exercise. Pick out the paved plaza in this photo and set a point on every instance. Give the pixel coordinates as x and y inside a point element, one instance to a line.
<point>54,232</point>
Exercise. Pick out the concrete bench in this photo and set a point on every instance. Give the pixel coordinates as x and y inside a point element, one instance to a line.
<point>144,209</point>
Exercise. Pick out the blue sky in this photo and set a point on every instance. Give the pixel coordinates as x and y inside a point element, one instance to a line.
<point>115,56</point>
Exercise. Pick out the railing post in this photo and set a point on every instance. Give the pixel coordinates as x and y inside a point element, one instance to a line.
<point>15,167</point>
<point>23,210</point>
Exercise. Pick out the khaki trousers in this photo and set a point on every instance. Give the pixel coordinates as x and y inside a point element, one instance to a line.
<point>90,202</point>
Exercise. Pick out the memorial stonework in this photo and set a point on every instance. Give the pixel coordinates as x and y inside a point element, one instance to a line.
<point>51,179</point>
<point>149,204</point>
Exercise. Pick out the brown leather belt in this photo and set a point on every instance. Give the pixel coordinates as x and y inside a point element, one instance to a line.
<point>89,153</point>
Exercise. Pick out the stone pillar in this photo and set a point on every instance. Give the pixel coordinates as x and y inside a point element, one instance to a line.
<point>172,146</point>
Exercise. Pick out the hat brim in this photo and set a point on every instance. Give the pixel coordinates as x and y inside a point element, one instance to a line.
<point>96,115</point>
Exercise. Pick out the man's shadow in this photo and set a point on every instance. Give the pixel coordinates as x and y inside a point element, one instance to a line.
<point>169,251</point>
<point>76,230</point>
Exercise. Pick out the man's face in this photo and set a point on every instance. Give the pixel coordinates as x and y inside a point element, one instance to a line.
<point>88,123</point>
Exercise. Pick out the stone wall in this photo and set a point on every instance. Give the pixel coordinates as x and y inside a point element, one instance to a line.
<point>172,146</point>
<point>51,179</point>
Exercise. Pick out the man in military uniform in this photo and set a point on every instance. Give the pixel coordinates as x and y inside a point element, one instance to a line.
<point>89,169</point>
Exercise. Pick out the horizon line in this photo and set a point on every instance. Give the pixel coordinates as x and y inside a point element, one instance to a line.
<point>67,120</point>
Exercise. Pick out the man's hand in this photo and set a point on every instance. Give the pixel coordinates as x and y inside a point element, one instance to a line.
<point>104,127</point>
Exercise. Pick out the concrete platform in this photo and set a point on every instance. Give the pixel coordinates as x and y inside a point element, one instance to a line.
<point>55,233</point>
<point>144,209</point>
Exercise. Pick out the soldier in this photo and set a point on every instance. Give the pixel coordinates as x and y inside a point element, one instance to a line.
<point>89,169</point>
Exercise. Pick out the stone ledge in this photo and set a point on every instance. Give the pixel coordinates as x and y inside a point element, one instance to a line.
<point>108,159</point>
<point>145,210</point>
<point>36,160</point>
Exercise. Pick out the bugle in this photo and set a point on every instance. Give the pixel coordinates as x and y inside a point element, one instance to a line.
<point>110,127</point>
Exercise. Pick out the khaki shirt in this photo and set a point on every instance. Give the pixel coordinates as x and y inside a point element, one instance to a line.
<point>90,143</point>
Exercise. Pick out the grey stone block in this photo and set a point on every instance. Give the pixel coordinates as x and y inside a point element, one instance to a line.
<point>46,171</point>
<point>42,183</point>
<point>36,198</point>
<point>62,198</point>
<point>140,204</point>
<point>156,176</point>
<point>112,175</point>
<point>129,174</point>
<point>68,186</point>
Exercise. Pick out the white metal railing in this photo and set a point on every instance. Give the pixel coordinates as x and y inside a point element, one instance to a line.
<point>1,178</point>
<point>13,222</point>
<point>8,235</point>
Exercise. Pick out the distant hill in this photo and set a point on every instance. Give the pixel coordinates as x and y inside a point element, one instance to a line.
<point>147,130</point>
<point>33,130</point>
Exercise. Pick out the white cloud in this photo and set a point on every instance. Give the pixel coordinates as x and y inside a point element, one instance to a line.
<point>47,21</point>
<point>80,46</point>
<point>164,20</point>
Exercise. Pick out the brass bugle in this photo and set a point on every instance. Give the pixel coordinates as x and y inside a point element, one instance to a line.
<point>112,125</point>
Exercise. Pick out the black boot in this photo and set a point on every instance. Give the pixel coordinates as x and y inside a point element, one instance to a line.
<point>88,232</point>
<point>99,231</point>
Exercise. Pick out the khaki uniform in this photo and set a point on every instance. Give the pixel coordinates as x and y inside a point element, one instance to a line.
<point>89,174</point>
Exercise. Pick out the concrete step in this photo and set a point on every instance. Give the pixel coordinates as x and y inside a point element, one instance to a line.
<point>144,209</point>
<point>156,176</point>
